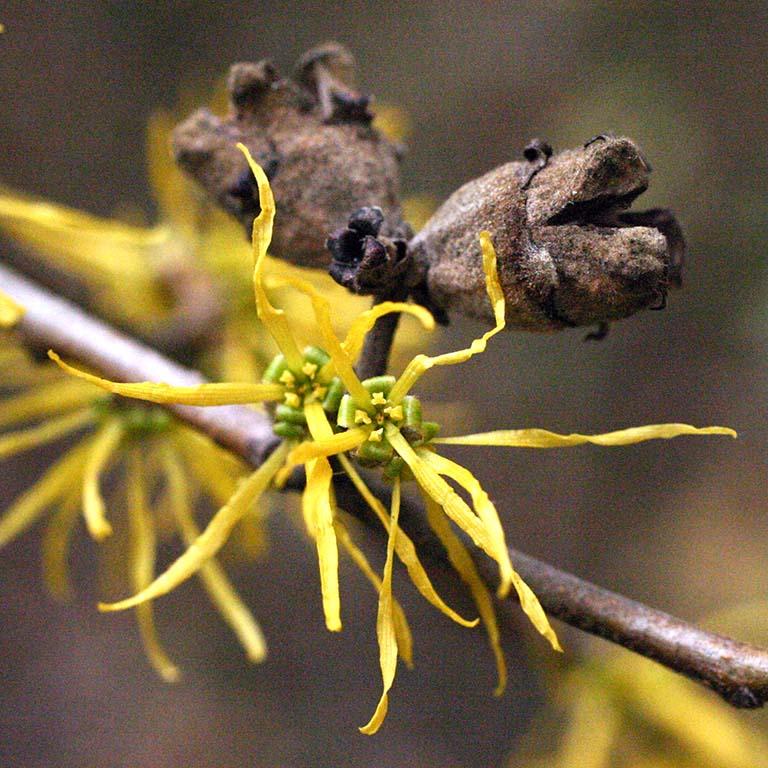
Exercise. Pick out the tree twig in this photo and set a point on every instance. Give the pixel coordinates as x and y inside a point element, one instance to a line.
<point>737,671</point>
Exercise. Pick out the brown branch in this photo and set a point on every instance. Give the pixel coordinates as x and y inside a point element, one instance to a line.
<point>737,671</point>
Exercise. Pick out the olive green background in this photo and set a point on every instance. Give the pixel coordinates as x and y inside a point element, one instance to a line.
<point>679,524</point>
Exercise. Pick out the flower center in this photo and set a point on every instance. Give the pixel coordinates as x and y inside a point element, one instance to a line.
<point>379,418</point>
<point>311,383</point>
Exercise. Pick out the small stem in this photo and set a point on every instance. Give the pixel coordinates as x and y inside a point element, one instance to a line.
<point>374,358</point>
<point>737,671</point>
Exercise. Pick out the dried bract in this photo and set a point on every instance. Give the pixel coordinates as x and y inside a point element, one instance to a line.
<point>313,136</point>
<point>569,253</point>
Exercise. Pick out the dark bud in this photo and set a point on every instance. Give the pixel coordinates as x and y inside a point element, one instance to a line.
<point>363,262</point>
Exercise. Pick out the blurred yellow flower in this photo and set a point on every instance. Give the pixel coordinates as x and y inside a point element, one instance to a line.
<point>163,468</point>
<point>624,711</point>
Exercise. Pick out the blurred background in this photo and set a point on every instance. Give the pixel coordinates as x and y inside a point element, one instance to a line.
<point>681,524</point>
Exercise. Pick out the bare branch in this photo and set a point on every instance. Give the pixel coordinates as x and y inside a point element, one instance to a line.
<point>737,671</point>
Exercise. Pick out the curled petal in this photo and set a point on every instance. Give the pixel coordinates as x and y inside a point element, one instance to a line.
<point>225,393</point>
<point>365,321</point>
<point>223,595</point>
<point>318,514</point>
<point>485,509</point>
<point>274,319</point>
<point>402,631</point>
<point>404,548</point>
<point>385,626</point>
<point>104,444</point>
<point>542,438</point>
<point>340,358</point>
<point>422,363</point>
<point>212,538</point>
<point>442,493</point>
<point>461,560</point>
<point>319,505</point>
<point>487,512</point>
<point>330,446</point>
<point>143,547</point>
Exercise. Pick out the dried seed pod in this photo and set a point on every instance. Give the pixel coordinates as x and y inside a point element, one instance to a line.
<point>312,135</point>
<point>568,253</point>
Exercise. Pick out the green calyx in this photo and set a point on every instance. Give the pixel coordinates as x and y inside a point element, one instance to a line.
<point>310,383</point>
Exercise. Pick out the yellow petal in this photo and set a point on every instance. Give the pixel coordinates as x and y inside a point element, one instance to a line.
<point>485,509</point>
<point>329,446</point>
<point>274,319</point>
<point>492,284</point>
<point>703,725</point>
<point>47,432</point>
<point>365,321</point>
<point>223,595</point>
<point>225,393</point>
<point>385,628</point>
<point>142,566</point>
<point>595,723</point>
<point>53,398</point>
<point>404,548</point>
<point>216,470</point>
<point>212,538</point>
<point>422,363</point>
<point>104,444</point>
<point>402,631</point>
<point>10,311</point>
<point>64,475</point>
<point>439,490</point>
<point>55,232</point>
<point>116,261</point>
<point>541,438</point>
<point>55,547</point>
<point>495,535</point>
<point>462,562</point>
<point>318,514</point>
<point>533,610</point>
<point>171,188</point>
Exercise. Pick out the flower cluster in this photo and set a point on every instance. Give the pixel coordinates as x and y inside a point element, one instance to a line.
<point>323,411</point>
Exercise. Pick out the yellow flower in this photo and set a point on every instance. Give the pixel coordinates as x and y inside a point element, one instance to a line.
<point>114,260</point>
<point>163,467</point>
<point>305,387</point>
<point>389,431</point>
<point>378,422</point>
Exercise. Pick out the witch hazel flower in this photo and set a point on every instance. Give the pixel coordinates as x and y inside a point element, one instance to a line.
<point>323,411</point>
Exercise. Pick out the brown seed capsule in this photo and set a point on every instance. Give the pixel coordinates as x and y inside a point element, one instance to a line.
<point>312,135</point>
<point>568,253</point>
